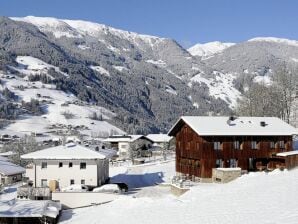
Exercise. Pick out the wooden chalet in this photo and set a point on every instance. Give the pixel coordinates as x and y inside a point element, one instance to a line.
<point>251,143</point>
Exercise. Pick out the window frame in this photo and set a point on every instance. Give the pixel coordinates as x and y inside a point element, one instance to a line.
<point>83,181</point>
<point>70,165</point>
<point>42,181</point>
<point>44,165</point>
<point>254,146</point>
<point>217,145</point>
<point>72,181</point>
<point>83,167</point>
<point>236,145</point>
<point>272,145</point>
<point>60,165</point>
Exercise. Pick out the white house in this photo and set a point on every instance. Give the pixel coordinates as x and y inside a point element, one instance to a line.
<point>10,172</point>
<point>160,139</point>
<point>122,143</point>
<point>67,164</point>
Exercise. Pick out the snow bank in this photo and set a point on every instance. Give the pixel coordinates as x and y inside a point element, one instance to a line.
<point>257,198</point>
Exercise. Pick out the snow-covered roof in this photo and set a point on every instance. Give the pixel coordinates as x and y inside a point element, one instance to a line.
<point>29,208</point>
<point>8,168</point>
<point>65,152</point>
<point>159,137</point>
<point>6,154</point>
<point>123,138</point>
<point>290,153</point>
<point>223,126</point>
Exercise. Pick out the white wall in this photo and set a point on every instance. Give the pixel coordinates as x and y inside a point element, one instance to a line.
<point>95,173</point>
<point>80,199</point>
<point>123,147</point>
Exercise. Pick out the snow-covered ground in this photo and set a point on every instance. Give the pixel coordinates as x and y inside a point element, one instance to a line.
<point>253,198</point>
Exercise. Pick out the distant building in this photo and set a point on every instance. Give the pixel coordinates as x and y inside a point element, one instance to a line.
<point>251,143</point>
<point>122,143</point>
<point>66,165</point>
<point>160,139</point>
<point>9,172</point>
<point>29,211</point>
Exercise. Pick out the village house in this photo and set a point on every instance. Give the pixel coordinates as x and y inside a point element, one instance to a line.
<point>160,139</point>
<point>250,143</point>
<point>67,165</point>
<point>122,143</point>
<point>10,172</point>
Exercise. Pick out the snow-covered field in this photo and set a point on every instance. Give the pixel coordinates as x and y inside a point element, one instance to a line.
<point>253,198</point>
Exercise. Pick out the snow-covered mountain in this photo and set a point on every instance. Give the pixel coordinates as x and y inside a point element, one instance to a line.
<point>208,49</point>
<point>146,81</point>
<point>275,40</point>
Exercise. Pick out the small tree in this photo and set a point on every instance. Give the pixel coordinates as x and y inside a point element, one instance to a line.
<point>165,150</point>
<point>134,150</point>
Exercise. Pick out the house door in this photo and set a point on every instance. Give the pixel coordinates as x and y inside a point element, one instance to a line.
<point>251,164</point>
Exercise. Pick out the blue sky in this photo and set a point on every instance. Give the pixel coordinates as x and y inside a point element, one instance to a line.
<point>187,21</point>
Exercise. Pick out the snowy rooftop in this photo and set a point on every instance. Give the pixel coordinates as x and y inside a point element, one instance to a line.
<point>123,138</point>
<point>29,208</point>
<point>8,168</point>
<point>223,126</point>
<point>6,154</point>
<point>159,137</point>
<point>68,151</point>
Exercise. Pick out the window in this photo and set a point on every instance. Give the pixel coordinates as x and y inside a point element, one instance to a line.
<point>70,165</point>
<point>233,163</point>
<point>123,146</point>
<point>60,164</point>
<point>254,145</point>
<point>218,163</point>
<point>72,181</point>
<point>83,182</point>
<point>188,146</point>
<point>272,145</point>
<point>44,182</point>
<point>236,145</point>
<point>82,166</point>
<point>216,145</point>
<point>281,144</point>
<point>44,165</point>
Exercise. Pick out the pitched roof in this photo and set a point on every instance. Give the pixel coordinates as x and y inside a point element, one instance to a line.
<point>29,208</point>
<point>8,168</point>
<point>65,152</point>
<point>124,138</point>
<point>159,137</point>
<point>245,126</point>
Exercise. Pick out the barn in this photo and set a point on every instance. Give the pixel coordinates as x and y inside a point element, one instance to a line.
<point>251,143</point>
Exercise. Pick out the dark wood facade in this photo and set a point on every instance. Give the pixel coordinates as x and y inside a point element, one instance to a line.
<point>196,155</point>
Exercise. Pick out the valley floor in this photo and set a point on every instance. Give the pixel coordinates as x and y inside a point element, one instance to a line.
<point>253,198</point>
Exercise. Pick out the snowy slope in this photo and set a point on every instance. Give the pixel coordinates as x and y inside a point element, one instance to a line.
<point>56,103</point>
<point>221,86</point>
<point>80,28</point>
<point>208,49</point>
<point>241,201</point>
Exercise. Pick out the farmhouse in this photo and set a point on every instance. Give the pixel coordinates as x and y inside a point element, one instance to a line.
<point>66,165</point>
<point>9,172</point>
<point>122,143</point>
<point>160,139</point>
<point>251,143</point>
